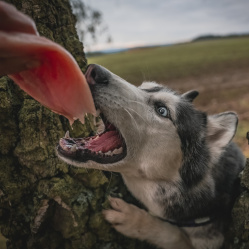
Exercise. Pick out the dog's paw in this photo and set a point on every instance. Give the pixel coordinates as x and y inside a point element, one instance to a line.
<point>128,219</point>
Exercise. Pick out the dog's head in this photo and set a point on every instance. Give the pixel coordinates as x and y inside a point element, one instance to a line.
<point>150,131</point>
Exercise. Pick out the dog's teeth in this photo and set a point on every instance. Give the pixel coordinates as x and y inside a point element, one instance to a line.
<point>118,151</point>
<point>67,135</point>
<point>96,137</point>
<point>109,153</point>
<point>115,152</point>
<point>100,152</point>
<point>101,128</point>
<point>94,121</point>
<point>74,148</point>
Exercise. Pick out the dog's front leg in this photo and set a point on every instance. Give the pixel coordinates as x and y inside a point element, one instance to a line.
<point>137,223</point>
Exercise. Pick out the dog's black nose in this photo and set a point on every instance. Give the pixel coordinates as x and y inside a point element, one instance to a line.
<point>97,74</point>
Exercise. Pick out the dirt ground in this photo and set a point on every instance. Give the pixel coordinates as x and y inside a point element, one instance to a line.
<point>227,91</point>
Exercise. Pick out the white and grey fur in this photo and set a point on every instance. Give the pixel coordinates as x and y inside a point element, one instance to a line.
<point>181,167</point>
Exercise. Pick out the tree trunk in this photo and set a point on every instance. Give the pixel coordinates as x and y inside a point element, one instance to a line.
<point>240,213</point>
<point>45,203</point>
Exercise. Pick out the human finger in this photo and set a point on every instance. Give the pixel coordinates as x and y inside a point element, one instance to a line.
<point>13,20</point>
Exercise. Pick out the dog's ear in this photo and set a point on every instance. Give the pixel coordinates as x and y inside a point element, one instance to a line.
<point>221,129</point>
<point>190,95</point>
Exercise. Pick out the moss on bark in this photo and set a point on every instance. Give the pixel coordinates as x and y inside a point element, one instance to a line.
<point>241,214</point>
<point>45,203</point>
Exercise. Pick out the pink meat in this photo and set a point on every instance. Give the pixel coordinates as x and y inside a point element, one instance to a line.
<point>58,82</point>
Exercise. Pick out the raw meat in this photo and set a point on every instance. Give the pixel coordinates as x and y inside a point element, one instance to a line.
<point>57,82</point>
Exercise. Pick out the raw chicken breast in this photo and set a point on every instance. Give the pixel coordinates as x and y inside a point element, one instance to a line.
<point>57,82</point>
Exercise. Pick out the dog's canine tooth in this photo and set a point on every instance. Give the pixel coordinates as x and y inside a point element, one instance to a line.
<point>115,152</point>
<point>74,148</point>
<point>67,135</point>
<point>100,127</point>
<point>109,153</point>
<point>118,151</point>
<point>95,117</point>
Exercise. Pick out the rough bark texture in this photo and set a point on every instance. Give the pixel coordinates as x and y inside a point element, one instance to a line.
<point>241,214</point>
<point>44,203</point>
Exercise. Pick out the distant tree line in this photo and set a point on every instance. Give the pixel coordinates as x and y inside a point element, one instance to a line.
<point>212,37</point>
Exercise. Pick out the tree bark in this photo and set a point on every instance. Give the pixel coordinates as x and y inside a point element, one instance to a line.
<point>240,213</point>
<point>45,203</point>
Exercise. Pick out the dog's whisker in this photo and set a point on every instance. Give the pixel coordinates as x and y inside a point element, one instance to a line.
<point>133,119</point>
<point>135,90</point>
<point>127,99</point>
<point>134,101</point>
<point>138,115</point>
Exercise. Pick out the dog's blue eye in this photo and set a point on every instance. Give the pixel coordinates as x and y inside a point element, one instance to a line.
<point>162,111</point>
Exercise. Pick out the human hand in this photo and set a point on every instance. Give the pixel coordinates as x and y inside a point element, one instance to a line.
<point>12,20</point>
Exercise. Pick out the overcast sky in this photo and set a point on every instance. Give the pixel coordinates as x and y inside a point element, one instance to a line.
<point>144,22</point>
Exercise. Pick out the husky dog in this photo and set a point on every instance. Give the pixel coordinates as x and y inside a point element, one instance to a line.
<point>176,160</point>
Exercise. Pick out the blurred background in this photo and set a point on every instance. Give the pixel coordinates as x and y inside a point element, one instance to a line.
<point>184,44</point>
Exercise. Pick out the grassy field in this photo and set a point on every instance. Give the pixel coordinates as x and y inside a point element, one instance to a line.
<point>218,69</point>
<point>178,61</point>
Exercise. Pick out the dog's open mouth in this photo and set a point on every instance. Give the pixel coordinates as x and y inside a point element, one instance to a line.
<point>106,147</point>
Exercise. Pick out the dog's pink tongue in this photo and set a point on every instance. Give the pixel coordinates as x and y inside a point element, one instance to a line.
<point>107,141</point>
<point>57,82</point>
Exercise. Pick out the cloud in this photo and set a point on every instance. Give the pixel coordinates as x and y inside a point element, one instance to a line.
<point>166,21</point>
